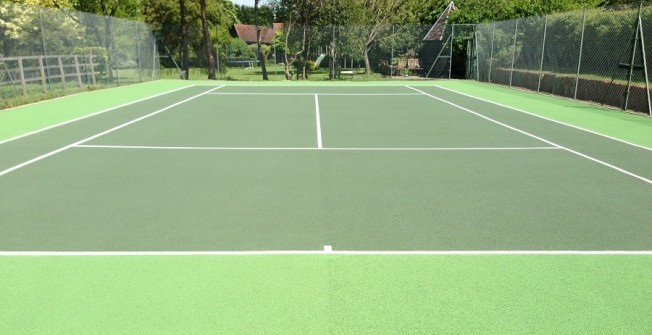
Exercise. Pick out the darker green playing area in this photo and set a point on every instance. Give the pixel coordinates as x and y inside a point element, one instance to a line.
<point>297,168</point>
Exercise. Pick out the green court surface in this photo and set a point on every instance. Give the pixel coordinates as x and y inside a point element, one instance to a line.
<point>395,208</point>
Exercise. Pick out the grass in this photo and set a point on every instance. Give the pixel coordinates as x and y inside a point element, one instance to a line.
<point>326,295</point>
<point>274,73</point>
<point>634,128</point>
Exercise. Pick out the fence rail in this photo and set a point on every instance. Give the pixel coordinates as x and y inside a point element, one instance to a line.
<point>59,67</point>
<point>48,52</point>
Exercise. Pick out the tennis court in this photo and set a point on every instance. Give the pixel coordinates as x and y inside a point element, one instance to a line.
<point>511,218</point>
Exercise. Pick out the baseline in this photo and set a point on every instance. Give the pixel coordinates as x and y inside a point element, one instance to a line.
<point>330,251</point>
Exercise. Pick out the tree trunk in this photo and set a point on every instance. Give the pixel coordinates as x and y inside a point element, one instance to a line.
<point>261,57</point>
<point>208,49</point>
<point>185,62</point>
<point>286,60</point>
<point>306,43</point>
<point>367,65</point>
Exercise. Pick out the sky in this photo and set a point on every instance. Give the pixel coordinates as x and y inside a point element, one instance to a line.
<point>245,2</point>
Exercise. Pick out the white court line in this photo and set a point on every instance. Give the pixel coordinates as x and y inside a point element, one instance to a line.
<point>537,137</point>
<point>142,147</point>
<point>91,115</point>
<point>54,152</point>
<point>330,251</point>
<point>547,119</point>
<point>318,118</point>
<point>331,94</point>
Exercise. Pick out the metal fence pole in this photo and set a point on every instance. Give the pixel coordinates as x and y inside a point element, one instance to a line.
<point>511,71</point>
<point>138,54</point>
<point>154,58</point>
<point>45,51</point>
<point>630,73</point>
<point>333,74</point>
<point>647,81</point>
<point>477,54</point>
<point>579,61</point>
<point>450,59</point>
<point>85,61</point>
<point>113,48</point>
<point>543,50</point>
<point>491,56</point>
<point>391,60</point>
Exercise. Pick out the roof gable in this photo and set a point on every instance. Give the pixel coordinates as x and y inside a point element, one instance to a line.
<point>436,33</point>
<point>247,32</point>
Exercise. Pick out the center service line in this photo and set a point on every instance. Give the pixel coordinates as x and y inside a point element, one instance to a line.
<point>54,152</point>
<point>318,117</point>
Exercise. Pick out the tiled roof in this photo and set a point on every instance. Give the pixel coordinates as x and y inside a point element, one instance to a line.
<point>247,32</point>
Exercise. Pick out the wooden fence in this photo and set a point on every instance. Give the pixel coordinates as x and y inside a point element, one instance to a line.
<point>64,69</point>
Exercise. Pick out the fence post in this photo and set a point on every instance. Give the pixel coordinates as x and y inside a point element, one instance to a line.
<point>477,53</point>
<point>391,60</point>
<point>83,40</point>
<point>647,81</point>
<point>579,61</point>
<point>633,58</point>
<point>334,54</point>
<point>450,58</point>
<point>543,50</point>
<point>62,72</point>
<point>511,71</point>
<point>90,63</point>
<point>45,51</point>
<point>140,71</point>
<point>21,72</point>
<point>78,72</point>
<point>155,60</point>
<point>41,68</point>
<point>491,56</point>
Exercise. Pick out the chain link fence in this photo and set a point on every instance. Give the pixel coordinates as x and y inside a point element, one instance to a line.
<point>297,52</point>
<point>49,52</point>
<point>597,55</point>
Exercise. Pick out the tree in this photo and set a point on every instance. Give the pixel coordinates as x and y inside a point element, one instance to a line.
<point>183,31</point>
<point>373,17</point>
<point>165,19</point>
<point>20,28</point>
<point>261,57</point>
<point>299,17</point>
<point>208,49</point>
<point>246,14</point>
